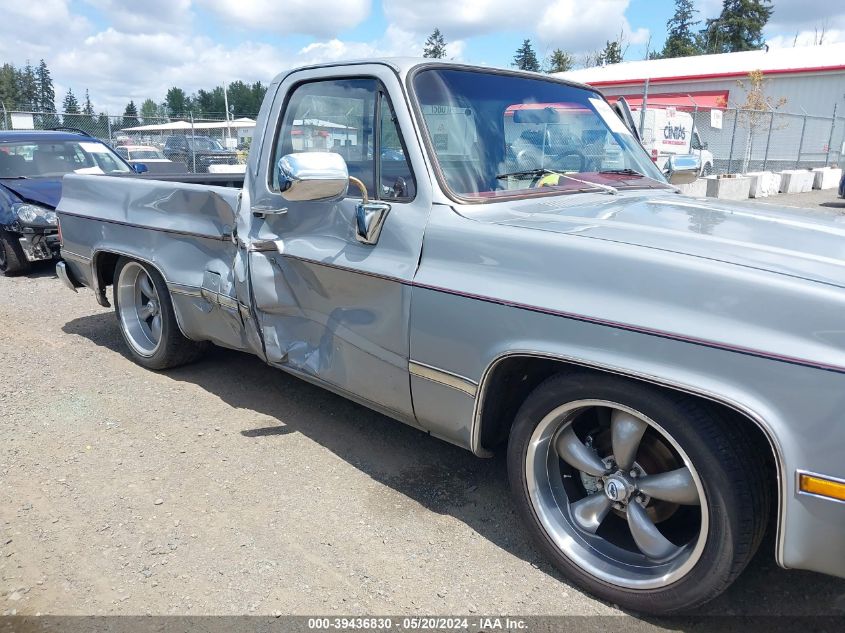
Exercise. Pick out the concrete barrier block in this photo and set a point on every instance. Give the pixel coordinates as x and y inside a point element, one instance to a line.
<point>826,177</point>
<point>729,187</point>
<point>796,181</point>
<point>696,189</point>
<point>763,183</point>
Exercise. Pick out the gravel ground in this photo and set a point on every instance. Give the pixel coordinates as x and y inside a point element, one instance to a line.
<point>228,487</point>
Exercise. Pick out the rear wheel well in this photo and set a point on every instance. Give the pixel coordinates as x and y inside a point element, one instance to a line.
<point>104,264</point>
<point>513,378</point>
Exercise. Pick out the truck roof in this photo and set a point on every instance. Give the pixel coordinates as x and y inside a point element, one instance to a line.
<point>44,135</point>
<point>404,65</point>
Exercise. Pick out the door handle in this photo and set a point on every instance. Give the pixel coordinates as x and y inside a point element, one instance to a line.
<point>260,210</point>
<point>369,220</point>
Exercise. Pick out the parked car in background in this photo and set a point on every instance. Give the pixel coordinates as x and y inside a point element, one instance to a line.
<point>31,168</point>
<point>665,374</point>
<point>141,154</point>
<point>667,132</point>
<point>842,185</point>
<point>197,153</point>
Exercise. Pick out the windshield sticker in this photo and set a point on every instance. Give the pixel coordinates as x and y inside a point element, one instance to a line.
<point>609,116</point>
<point>94,148</point>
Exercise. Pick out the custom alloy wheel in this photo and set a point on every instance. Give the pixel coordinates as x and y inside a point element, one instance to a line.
<point>649,499</point>
<point>140,309</point>
<point>147,319</point>
<point>602,477</point>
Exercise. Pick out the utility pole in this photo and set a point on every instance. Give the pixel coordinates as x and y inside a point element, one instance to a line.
<point>226,107</point>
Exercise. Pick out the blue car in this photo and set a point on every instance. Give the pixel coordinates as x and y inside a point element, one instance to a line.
<point>31,168</point>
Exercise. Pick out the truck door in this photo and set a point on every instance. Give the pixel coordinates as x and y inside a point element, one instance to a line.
<point>332,307</point>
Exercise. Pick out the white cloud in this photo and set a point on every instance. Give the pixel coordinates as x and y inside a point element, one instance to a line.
<point>149,16</point>
<point>32,30</point>
<point>806,38</point>
<point>572,25</point>
<point>312,17</point>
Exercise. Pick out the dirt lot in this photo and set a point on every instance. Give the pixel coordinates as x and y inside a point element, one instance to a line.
<point>228,487</point>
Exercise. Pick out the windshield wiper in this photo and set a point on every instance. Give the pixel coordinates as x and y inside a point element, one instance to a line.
<point>540,171</point>
<point>13,178</point>
<point>624,172</point>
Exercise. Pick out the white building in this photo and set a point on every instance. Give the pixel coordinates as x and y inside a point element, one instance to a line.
<point>811,79</point>
<point>806,85</point>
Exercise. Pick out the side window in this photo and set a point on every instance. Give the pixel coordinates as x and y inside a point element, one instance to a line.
<point>331,116</point>
<point>339,115</point>
<point>397,180</point>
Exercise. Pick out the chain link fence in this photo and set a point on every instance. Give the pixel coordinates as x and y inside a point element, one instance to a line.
<point>742,141</point>
<point>163,144</point>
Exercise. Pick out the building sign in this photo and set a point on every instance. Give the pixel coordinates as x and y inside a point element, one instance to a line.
<point>716,119</point>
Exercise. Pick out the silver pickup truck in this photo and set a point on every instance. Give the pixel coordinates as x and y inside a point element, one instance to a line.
<point>490,256</point>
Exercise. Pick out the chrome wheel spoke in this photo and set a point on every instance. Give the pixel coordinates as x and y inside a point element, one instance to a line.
<point>648,538</point>
<point>146,285</point>
<point>626,432</point>
<point>575,453</point>
<point>676,486</point>
<point>590,511</point>
<point>155,328</point>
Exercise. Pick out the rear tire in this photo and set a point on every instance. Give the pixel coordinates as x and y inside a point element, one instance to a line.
<point>147,320</point>
<point>690,548</point>
<point>12,259</point>
<point>708,170</point>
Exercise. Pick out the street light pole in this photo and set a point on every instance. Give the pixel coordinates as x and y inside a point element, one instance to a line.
<point>226,107</point>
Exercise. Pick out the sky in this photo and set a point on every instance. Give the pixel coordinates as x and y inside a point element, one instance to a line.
<point>121,50</point>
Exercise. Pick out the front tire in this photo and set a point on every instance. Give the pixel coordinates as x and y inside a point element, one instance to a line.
<point>647,499</point>
<point>147,320</point>
<point>12,259</point>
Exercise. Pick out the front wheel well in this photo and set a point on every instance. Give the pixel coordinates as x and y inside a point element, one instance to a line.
<point>511,380</point>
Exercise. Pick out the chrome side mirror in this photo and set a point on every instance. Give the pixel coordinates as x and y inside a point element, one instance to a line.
<point>682,169</point>
<point>312,176</point>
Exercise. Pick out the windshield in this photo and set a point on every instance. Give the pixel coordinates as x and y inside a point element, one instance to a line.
<point>34,159</point>
<point>496,135</point>
<point>204,143</point>
<point>141,154</point>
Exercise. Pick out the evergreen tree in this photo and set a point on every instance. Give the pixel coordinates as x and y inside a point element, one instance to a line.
<point>738,28</point>
<point>45,93</point>
<point>70,105</point>
<point>149,112</point>
<point>88,108</point>
<point>131,112</point>
<point>28,88</point>
<point>560,61</point>
<point>526,58</point>
<point>612,53</point>
<point>435,45</point>
<point>681,41</point>
<point>9,86</point>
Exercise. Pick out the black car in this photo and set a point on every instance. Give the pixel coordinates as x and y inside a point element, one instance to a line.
<point>31,168</point>
<point>197,153</point>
